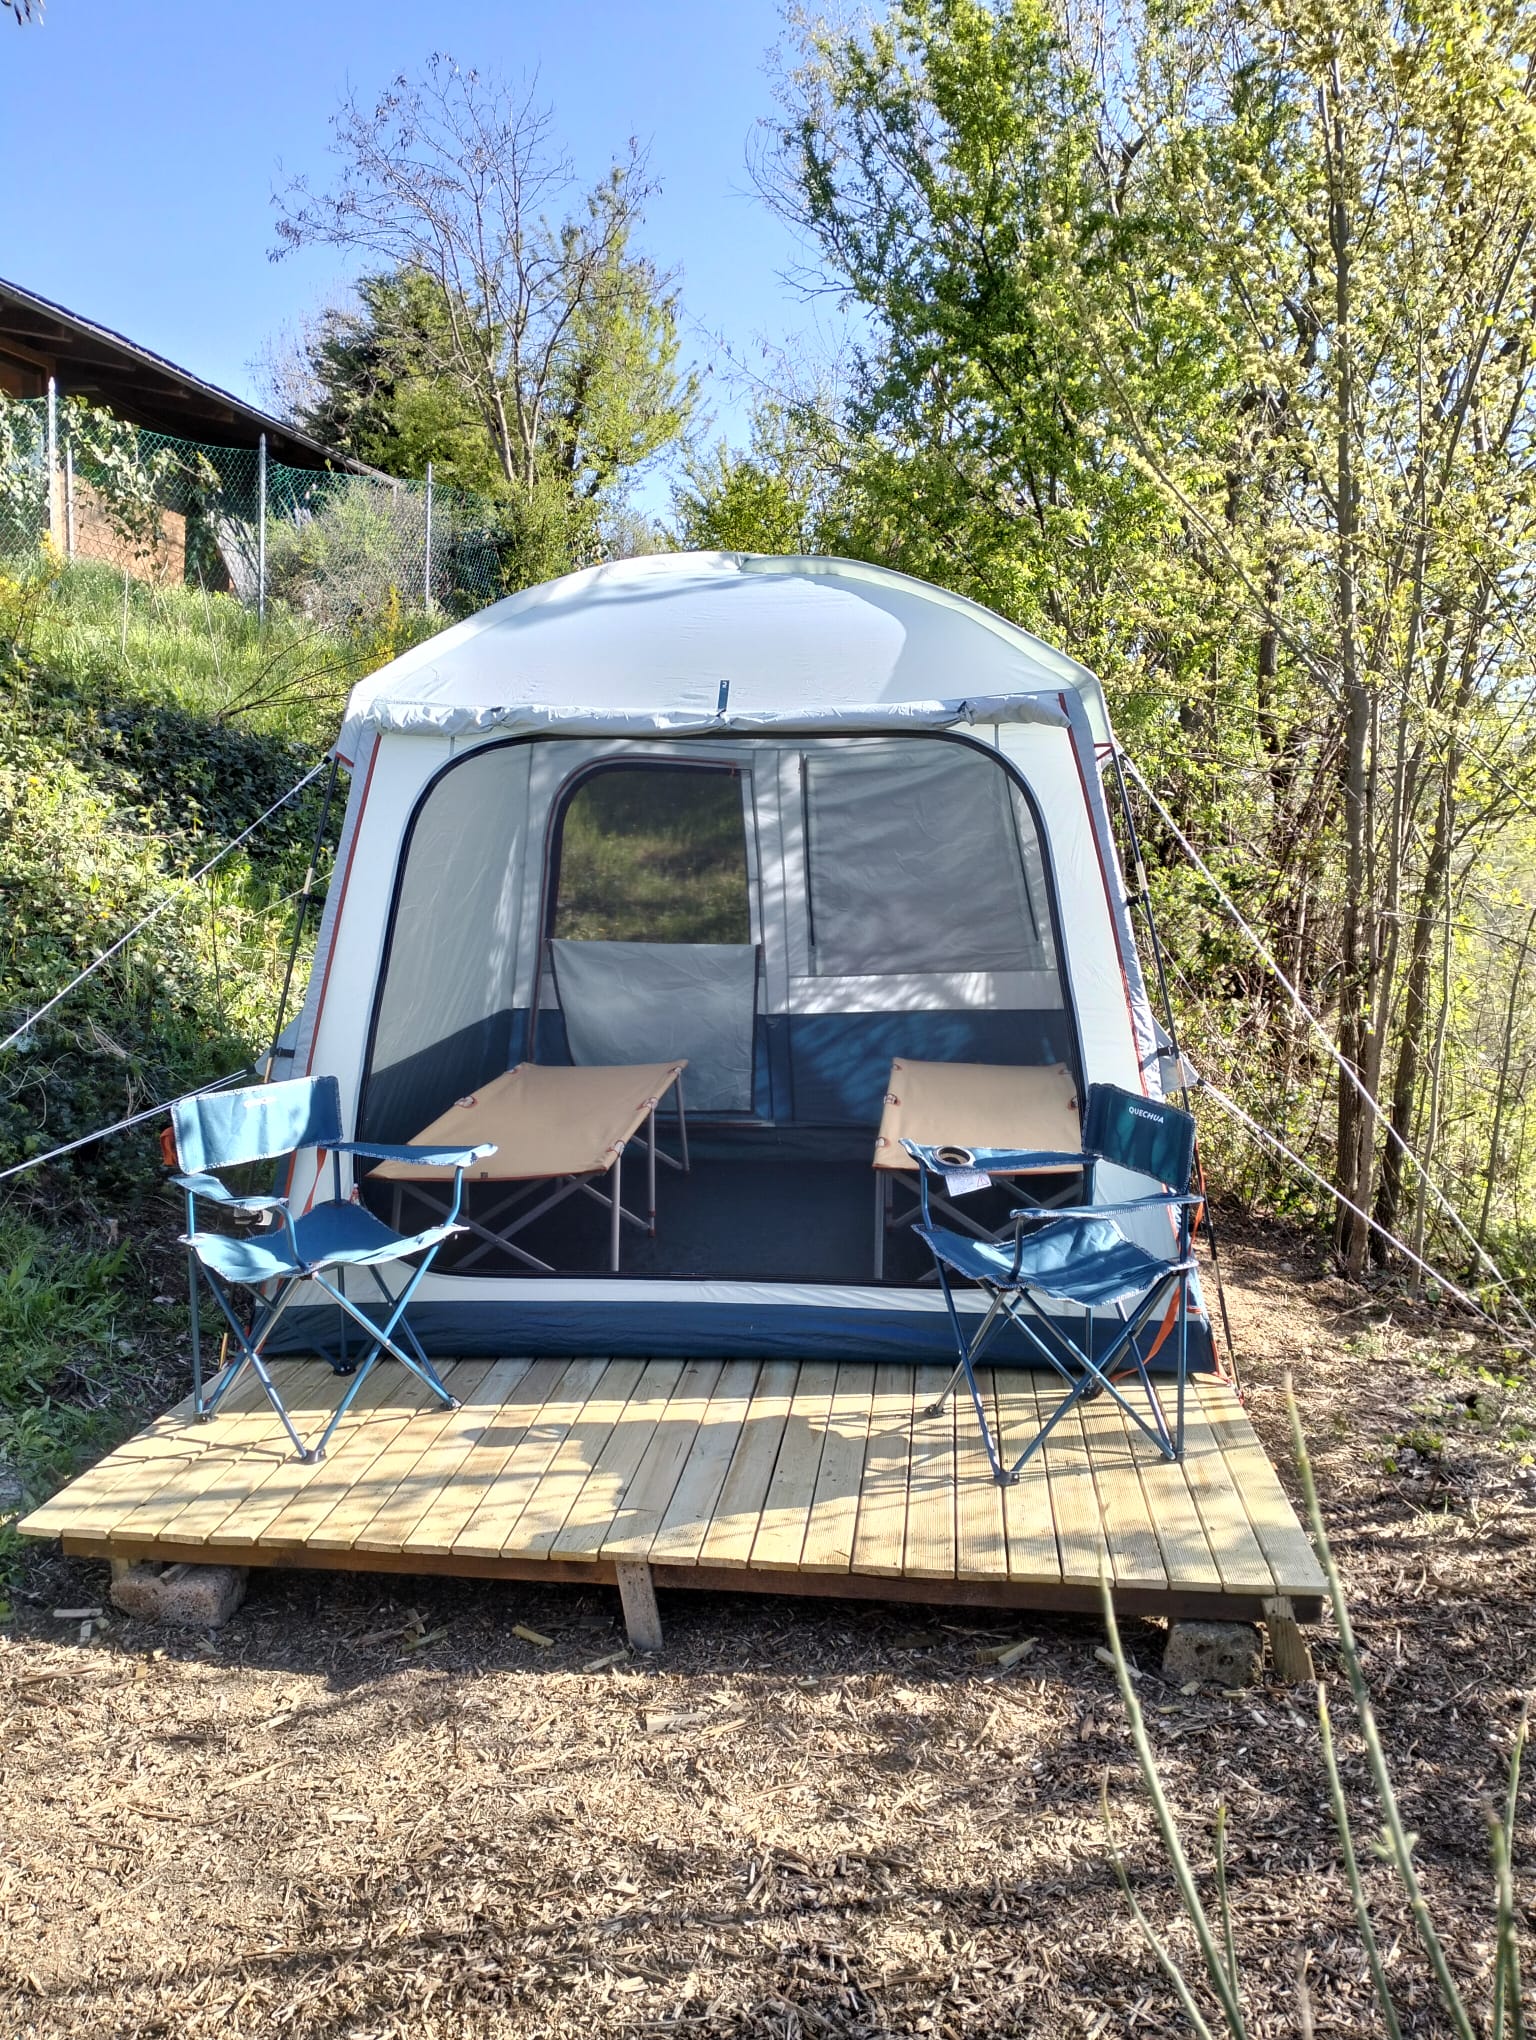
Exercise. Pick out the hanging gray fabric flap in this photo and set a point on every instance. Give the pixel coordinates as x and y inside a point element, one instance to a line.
<point>656,1001</point>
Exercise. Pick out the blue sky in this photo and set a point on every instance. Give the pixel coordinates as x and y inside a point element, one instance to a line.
<point>140,141</point>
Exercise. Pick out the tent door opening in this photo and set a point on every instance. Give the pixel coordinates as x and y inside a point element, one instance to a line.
<point>787,916</point>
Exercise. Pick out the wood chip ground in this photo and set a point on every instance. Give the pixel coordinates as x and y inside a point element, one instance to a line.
<point>370,1808</point>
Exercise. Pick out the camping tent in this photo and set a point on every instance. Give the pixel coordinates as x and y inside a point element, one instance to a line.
<point>789,819</point>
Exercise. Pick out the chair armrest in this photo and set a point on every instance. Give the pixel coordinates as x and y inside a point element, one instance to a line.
<point>993,1161</point>
<point>1046,1212</point>
<point>220,1193</point>
<point>420,1157</point>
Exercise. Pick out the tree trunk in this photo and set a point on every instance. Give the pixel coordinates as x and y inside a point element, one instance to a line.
<point>1355,1129</point>
<point>1433,898</point>
<point>1506,1051</point>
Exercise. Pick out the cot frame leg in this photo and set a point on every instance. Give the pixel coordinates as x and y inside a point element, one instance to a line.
<point>637,1597</point>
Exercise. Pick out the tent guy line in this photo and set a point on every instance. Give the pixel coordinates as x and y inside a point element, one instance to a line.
<point>1289,1154</point>
<point>192,878</point>
<point>1334,1051</point>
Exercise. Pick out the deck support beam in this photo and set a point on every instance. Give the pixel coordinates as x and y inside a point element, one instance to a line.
<point>637,1596</point>
<point>1289,1652</point>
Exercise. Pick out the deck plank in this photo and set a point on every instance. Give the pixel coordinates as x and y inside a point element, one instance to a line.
<point>522,1446</point>
<point>649,1495</point>
<point>981,1535</point>
<point>1286,1546</point>
<point>351,1457</point>
<point>163,1468</point>
<point>880,1535</point>
<point>204,1494</point>
<point>579,1453</point>
<point>1135,1556</point>
<point>345,1524</point>
<point>1029,1521</point>
<point>1080,1532</point>
<point>1238,1554</point>
<point>690,1512</point>
<point>596,1507</point>
<point>834,1511</point>
<point>786,1508</point>
<point>1187,1557</point>
<point>436,1468</point>
<point>772,1471</point>
<point>173,1439</point>
<point>733,1529</point>
<point>931,1501</point>
<point>275,1484</point>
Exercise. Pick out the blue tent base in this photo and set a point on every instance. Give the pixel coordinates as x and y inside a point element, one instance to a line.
<point>478,1330</point>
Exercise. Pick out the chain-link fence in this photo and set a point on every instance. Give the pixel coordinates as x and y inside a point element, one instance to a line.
<point>330,546</point>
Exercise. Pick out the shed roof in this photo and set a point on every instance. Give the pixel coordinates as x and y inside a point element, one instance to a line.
<point>89,360</point>
<point>693,642</point>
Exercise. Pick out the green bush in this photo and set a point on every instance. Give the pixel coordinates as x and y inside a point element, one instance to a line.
<point>108,800</point>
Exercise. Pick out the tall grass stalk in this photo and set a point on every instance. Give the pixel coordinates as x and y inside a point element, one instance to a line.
<point>1224,1985</point>
<point>1397,1837</point>
<point>1507,2020</point>
<point>1352,1867</point>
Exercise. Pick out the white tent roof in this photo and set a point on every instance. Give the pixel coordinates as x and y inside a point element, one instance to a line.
<point>722,641</point>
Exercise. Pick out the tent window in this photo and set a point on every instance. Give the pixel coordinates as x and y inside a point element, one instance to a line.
<point>653,853</point>
<point>920,858</point>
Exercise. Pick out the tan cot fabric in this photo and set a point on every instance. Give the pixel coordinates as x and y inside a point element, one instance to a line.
<point>545,1122</point>
<point>977,1105</point>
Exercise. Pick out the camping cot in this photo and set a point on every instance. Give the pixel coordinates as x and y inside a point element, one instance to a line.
<point>785,823</point>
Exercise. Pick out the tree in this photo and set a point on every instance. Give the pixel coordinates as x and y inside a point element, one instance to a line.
<point>1201,339</point>
<point>364,378</point>
<point>511,325</point>
<point>783,495</point>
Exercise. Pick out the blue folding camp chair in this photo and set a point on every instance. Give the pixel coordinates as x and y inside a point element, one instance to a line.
<point>1079,1257</point>
<point>221,1129</point>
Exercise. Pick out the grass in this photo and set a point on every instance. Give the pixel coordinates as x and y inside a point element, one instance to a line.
<point>141,729</point>
<point>656,855</point>
<point>205,654</point>
<point>75,1338</point>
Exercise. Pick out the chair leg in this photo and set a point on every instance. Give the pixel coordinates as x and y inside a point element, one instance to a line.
<point>197,1336</point>
<point>424,1368</point>
<point>383,1342</point>
<point>967,1356</point>
<point>969,1352</point>
<point>250,1355</point>
<point>936,1407</point>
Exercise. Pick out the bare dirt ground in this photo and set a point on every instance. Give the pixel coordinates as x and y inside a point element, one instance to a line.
<point>370,1808</point>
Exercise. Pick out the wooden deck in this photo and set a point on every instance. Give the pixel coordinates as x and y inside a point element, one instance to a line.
<point>779,1476</point>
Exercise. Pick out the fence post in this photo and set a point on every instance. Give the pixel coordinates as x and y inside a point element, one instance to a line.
<point>69,497</point>
<point>426,574</point>
<point>53,460</point>
<point>261,529</point>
